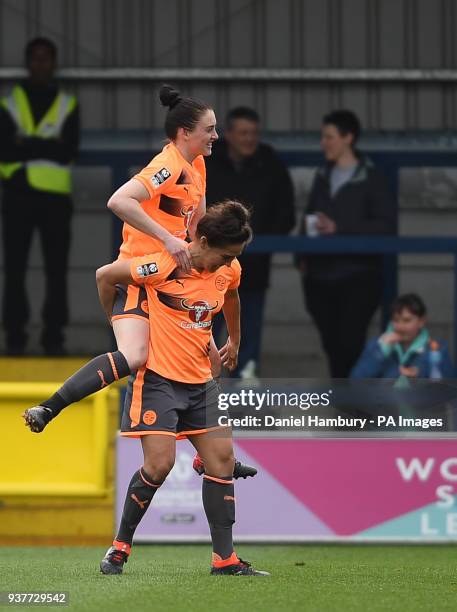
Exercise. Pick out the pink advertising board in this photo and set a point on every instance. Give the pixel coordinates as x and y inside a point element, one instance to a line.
<point>312,489</point>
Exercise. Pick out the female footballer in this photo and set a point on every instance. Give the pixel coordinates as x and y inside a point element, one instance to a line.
<point>174,395</point>
<point>159,206</point>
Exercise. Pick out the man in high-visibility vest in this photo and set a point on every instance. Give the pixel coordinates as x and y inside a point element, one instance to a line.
<point>39,137</point>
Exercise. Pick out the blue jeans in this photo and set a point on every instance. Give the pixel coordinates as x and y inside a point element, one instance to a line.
<point>252,312</point>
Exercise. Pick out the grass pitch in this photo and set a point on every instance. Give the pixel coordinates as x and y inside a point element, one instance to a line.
<point>175,578</point>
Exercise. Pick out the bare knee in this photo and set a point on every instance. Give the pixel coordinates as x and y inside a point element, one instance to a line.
<point>221,462</point>
<point>158,468</point>
<point>136,356</point>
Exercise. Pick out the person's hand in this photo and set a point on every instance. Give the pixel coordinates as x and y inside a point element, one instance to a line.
<point>229,354</point>
<point>179,250</point>
<point>389,338</point>
<point>410,372</point>
<point>325,225</point>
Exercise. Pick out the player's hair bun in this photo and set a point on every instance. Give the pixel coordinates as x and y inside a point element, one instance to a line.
<point>169,96</point>
<point>238,211</point>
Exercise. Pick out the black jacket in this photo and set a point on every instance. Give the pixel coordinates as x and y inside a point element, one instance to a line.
<point>362,206</point>
<point>262,182</point>
<point>62,150</point>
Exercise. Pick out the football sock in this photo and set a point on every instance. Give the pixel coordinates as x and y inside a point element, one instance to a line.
<point>140,492</point>
<point>219,503</point>
<point>95,375</point>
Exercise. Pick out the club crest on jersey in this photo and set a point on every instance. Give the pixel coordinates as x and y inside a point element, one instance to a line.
<point>147,269</point>
<point>198,313</point>
<point>220,282</point>
<point>160,177</point>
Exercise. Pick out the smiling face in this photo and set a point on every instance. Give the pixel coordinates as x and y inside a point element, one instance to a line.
<point>199,141</point>
<point>407,325</point>
<point>334,144</point>
<point>242,137</point>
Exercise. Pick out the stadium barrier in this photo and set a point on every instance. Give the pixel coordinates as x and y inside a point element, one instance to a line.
<point>387,246</point>
<point>392,152</point>
<point>336,490</point>
<point>57,487</point>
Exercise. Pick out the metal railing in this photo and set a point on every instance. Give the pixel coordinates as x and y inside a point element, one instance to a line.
<point>292,75</point>
<point>379,245</point>
<point>391,161</point>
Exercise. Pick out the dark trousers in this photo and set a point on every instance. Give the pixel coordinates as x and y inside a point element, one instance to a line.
<point>21,217</point>
<point>252,310</point>
<point>342,311</point>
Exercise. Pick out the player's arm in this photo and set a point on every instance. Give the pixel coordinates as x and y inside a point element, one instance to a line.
<point>108,277</point>
<point>125,204</point>
<point>231,309</point>
<point>198,214</point>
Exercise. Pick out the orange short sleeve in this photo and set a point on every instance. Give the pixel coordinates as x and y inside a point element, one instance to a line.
<point>159,174</point>
<point>236,274</point>
<point>151,269</point>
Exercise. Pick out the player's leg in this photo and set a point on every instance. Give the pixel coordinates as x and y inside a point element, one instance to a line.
<point>156,427</point>
<point>240,470</point>
<point>159,458</point>
<point>216,450</point>
<point>132,337</point>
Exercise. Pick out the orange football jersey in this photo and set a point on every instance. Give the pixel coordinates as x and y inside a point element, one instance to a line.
<point>181,309</point>
<point>176,188</point>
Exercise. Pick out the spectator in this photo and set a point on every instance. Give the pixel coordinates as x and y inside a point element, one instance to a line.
<point>39,134</point>
<point>349,196</point>
<point>243,168</point>
<point>405,348</point>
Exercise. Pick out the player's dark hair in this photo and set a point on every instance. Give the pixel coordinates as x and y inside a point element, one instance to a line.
<point>225,223</point>
<point>346,122</point>
<point>241,112</point>
<point>182,112</point>
<point>40,42</point>
<point>411,302</point>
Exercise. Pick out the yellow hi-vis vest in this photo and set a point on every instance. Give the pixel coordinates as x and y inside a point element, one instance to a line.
<point>42,174</point>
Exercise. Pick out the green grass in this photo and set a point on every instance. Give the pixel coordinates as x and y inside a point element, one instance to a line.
<point>310,577</point>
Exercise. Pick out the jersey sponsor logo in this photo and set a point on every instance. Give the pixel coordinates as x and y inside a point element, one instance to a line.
<point>220,282</point>
<point>198,313</point>
<point>147,269</point>
<point>160,177</point>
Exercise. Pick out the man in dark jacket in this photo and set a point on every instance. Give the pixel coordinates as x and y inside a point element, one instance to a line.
<point>39,135</point>
<point>243,168</point>
<point>349,196</point>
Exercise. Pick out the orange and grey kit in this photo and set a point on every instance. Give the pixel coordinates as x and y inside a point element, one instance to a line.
<point>218,501</point>
<point>94,376</point>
